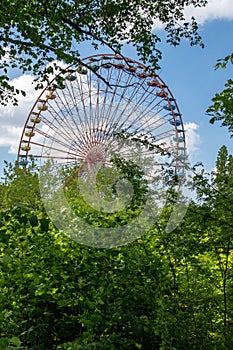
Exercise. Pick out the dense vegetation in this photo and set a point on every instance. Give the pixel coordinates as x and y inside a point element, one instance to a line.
<point>162,291</point>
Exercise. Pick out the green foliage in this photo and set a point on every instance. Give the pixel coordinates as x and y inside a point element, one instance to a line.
<point>34,34</point>
<point>222,62</point>
<point>163,291</point>
<point>21,186</point>
<point>12,343</point>
<point>217,235</point>
<point>222,107</point>
<point>105,184</point>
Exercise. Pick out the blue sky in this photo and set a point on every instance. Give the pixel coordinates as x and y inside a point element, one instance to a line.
<point>189,73</point>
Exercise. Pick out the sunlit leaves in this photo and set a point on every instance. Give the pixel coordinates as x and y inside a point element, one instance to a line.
<point>222,107</point>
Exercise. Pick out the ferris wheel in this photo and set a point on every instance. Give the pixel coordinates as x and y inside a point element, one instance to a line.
<point>80,119</point>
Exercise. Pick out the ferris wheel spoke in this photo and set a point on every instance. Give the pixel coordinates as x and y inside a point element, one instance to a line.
<point>154,125</point>
<point>155,109</point>
<point>129,116</point>
<point>91,100</point>
<point>58,141</point>
<point>90,120</point>
<point>71,104</point>
<point>99,117</point>
<point>67,117</point>
<point>103,92</point>
<point>68,159</point>
<point>129,101</point>
<point>69,130</point>
<point>108,118</point>
<point>115,103</point>
<point>57,130</point>
<point>51,148</point>
<point>86,117</point>
<point>61,119</point>
<point>73,96</point>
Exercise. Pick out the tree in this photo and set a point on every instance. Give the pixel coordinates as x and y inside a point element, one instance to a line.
<point>35,33</point>
<point>216,235</point>
<point>21,186</point>
<point>222,107</point>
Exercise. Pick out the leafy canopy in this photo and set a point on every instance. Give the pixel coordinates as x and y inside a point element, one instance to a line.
<point>222,106</point>
<point>36,33</point>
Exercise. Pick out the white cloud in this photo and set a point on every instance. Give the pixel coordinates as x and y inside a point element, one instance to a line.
<point>215,9</point>
<point>10,137</point>
<point>193,140</point>
<point>12,118</point>
<point>158,25</point>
